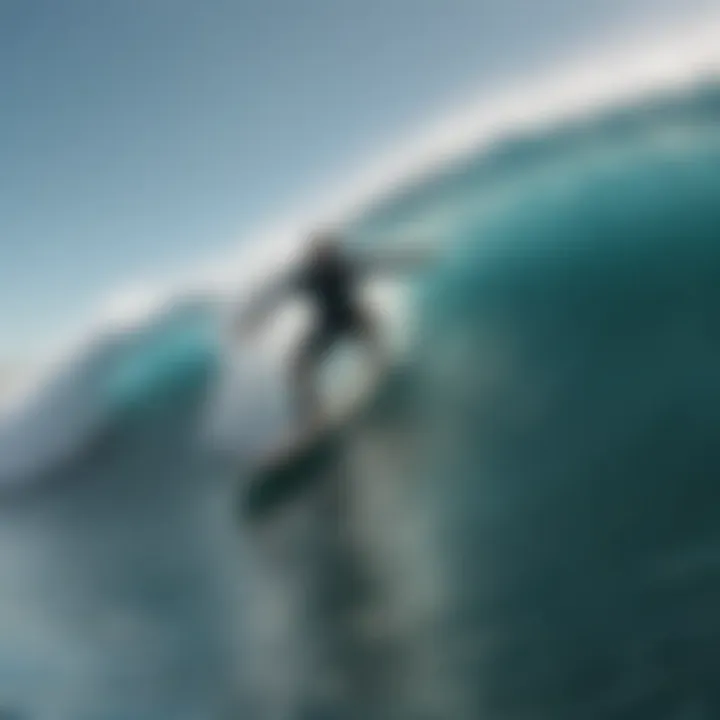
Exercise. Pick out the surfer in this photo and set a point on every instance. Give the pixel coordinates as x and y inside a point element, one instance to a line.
<point>329,277</point>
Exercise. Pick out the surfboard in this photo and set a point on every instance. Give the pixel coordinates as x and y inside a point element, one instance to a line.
<point>300,459</point>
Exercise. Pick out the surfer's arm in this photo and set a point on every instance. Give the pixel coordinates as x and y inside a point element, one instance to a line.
<point>263,302</point>
<point>397,260</point>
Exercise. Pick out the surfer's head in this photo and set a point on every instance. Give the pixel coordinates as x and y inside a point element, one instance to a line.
<point>324,244</point>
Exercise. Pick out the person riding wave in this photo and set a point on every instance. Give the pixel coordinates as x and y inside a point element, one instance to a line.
<point>330,277</point>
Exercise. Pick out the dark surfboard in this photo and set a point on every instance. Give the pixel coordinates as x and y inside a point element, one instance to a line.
<point>289,474</point>
<point>300,462</point>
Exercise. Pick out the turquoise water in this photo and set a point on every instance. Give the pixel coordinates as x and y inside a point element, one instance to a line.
<point>163,358</point>
<point>533,503</point>
<point>579,422</point>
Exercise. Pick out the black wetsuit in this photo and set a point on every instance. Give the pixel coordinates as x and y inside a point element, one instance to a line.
<point>330,284</point>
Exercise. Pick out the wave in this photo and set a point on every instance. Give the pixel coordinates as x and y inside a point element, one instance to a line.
<point>578,270</point>
<point>531,500</point>
<point>500,141</point>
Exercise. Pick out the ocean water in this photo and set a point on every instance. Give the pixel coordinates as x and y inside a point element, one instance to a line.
<point>525,524</point>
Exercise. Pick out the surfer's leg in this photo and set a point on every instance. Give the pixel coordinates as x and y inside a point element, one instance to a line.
<point>366,329</point>
<point>303,372</point>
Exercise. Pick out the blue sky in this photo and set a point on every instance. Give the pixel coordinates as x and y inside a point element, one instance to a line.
<point>140,136</point>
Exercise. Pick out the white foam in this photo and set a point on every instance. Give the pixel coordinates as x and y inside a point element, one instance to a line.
<point>47,419</point>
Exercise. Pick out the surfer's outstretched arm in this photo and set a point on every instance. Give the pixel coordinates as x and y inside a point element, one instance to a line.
<point>265,301</point>
<point>397,261</point>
